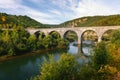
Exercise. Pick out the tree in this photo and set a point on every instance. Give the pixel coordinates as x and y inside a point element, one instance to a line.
<point>115,37</point>
<point>66,68</point>
<point>3,18</point>
<point>19,39</point>
<point>31,42</point>
<point>101,56</point>
<point>114,48</point>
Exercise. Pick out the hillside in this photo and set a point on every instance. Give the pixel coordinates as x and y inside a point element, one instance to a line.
<point>8,20</point>
<point>112,20</point>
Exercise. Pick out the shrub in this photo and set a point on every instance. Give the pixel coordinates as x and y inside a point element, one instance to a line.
<point>66,68</point>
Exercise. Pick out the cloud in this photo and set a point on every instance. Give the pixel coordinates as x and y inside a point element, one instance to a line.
<point>7,4</point>
<point>40,16</point>
<point>58,11</point>
<point>93,7</point>
<point>15,7</point>
<point>65,4</point>
<point>36,1</point>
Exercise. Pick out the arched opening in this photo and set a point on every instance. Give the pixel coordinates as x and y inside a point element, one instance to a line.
<point>55,34</point>
<point>89,35</point>
<point>39,33</point>
<point>107,35</point>
<point>53,39</point>
<point>71,36</point>
<point>88,41</point>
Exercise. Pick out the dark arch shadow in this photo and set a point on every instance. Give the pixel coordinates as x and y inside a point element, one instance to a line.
<point>107,35</point>
<point>70,35</point>
<point>55,34</point>
<point>88,39</point>
<point>38,33</point>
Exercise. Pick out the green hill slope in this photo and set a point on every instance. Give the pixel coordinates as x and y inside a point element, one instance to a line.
<point>8,20</point>
<point>112,20</point>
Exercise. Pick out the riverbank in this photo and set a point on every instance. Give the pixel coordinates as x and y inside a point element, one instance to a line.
<point>7,57</point>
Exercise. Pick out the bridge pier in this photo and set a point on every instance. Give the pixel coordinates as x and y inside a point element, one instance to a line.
<point>99,38</point>
<point>79,41</point>
<point>62,35</point>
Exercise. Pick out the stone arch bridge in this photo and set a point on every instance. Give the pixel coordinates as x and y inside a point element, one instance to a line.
<point>100,30</point>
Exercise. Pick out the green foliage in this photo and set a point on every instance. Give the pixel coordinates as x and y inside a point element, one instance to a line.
<point>101,56</point>
<point>62,43</point>
<point>87,73</point>
<point>109,67</point>
<point>115,37</point>
<point>66,68</point>
<point>107,72</point>
<point>18,41</point>
<point>55,35</point>
<point>53,40</point>
<point>114,49</point>
<point>31,42</point>
<point>11,52</point>
<point>47,41</point>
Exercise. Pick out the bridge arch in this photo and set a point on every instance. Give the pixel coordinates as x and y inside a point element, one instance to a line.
<point>57,34</point>
<point>38,33</point>
<point>88,38</point>
<point>71,33</point>
<point>106,34</point>
<point>91,34</point>
<point>89,29</point>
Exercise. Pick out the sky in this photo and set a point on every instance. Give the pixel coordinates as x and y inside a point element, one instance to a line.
<point>59,11</point>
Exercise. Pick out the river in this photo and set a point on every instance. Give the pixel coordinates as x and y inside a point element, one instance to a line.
<point>24,67</point>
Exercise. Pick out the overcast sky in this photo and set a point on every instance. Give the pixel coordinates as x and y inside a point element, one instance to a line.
<point>58,11</point>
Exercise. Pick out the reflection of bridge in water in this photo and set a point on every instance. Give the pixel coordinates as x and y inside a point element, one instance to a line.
<point>80,53</point>
<point>77,51</point>
<point>79,31</point>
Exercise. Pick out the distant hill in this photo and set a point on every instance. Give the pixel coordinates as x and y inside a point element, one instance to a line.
<point>112,20</point>
<point>8,20</point>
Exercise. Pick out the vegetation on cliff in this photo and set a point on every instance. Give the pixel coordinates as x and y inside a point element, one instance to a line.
<point>111,20</point>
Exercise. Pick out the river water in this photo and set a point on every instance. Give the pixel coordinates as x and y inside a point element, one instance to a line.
<point>24,67</point>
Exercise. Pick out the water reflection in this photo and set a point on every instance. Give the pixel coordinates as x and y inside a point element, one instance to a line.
<point>87,47</point>
<point>73,49</point>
